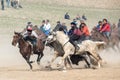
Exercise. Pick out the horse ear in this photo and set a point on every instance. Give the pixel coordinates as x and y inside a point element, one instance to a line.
<point>15,32</point>
<point>54,33</point>
<point>19,33</point>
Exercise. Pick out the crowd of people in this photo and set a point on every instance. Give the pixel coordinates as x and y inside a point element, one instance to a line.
<point>10,3</point>
<point>77,32</point>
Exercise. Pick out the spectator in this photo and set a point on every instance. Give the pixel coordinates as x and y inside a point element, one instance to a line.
<point>119,24</point>
<point>2,4</point>
<point>8,3</point>
<point>78,17</point>
<point>84,17</point>
<point>67,16</point>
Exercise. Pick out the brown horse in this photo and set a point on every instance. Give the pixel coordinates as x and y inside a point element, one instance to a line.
<point>26,48</point>
<point>114,37</point>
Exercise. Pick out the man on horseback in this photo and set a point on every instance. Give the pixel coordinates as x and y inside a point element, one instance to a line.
<point>31,36</point>
<point>105,29</point>
<point>85,31</point>
<point>74,34</point>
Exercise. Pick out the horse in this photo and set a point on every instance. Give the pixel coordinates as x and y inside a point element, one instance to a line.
<point>86,46</point>
<point>72,59</point>
<point>114,37</point>
<point>26,48</point>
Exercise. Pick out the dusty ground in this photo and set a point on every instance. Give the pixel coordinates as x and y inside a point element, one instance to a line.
<point>20,73</point>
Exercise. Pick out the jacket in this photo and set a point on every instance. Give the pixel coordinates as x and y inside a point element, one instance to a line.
<point>85,31</point>
<point>105,28</point>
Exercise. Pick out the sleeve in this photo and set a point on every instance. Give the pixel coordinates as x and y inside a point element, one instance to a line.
<point>84,30</point>
<point>34,34</point>
<point>24,34</point>
<point>104,28</point>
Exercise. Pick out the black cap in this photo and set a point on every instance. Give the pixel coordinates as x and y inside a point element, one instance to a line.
<point>29,23</point>
<point>73,23</point>
<point>58,21</point>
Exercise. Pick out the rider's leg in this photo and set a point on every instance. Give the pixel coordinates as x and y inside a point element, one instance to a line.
<point>107,35</point>
<point>74,44</point>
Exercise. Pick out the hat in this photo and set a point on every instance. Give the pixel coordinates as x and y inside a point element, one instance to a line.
<point>29,22</point>
<point>29,29</point>
<point>58,21</point>
<point>73,23</point>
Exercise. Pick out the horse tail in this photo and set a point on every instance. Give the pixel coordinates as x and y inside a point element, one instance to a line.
<point>100,43</point>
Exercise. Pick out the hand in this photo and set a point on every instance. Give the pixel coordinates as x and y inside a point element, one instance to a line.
<point>100,31</point>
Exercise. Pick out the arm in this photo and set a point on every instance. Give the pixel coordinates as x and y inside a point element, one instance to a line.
<point>34,34</point>
<point>105,27</point>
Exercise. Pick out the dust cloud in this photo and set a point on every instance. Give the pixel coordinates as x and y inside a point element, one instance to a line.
<point>10,56</point>
<point>112,57</point>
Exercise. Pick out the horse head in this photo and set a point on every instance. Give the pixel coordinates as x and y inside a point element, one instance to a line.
<point>96,35</point>
<point>16,38</point>
<point>51,37</point>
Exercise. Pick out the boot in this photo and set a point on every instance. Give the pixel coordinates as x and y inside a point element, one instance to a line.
<point>76,46</point>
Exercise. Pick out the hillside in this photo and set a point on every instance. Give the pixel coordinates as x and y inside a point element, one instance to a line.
<point>54,10</point>
<point>108,4</point>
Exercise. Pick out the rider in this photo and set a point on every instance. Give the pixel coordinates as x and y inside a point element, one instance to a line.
<point>85,31</point>
<point>105,29</point>
<point>47,27</point>
<point>99,25</point>
<point>57,27</point>
<point>74,34</point>
<point>31,36</point>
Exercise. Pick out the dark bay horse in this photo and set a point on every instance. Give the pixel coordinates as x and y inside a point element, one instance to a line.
<point>26,48</point>
<point>114,37</point>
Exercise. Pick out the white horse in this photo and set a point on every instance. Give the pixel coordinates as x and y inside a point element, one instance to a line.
<point>89,46</point>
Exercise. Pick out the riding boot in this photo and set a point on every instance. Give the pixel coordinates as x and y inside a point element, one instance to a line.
<point>76,46</point>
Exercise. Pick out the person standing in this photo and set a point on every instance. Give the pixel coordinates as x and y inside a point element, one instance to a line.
<point>119,24</point>
<point>8,3</point>
<point>2,4</point>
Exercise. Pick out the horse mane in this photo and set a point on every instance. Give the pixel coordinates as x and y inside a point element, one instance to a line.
<point>96,35</point>
<point>57,47</point>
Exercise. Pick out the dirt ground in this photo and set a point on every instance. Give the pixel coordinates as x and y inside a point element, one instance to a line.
<point>20,73</point>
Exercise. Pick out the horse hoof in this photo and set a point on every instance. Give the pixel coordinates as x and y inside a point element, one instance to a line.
<point>64,71</point>
<point>32,61</point>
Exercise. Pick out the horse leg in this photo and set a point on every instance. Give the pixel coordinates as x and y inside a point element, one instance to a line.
<point>63,60</point>
<point>118,47</point>
<point>40,55</point>
<point>96,56</point>
<point>86,60</point>
<point>27,60</point>
<point>53,59</point>
<point>69,62</point>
